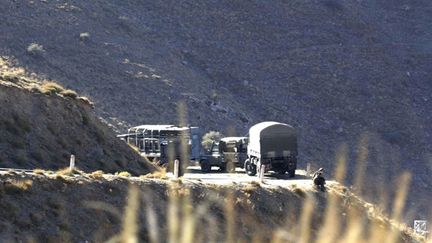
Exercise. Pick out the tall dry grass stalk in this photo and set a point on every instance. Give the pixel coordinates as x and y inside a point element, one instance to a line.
<point>399,204</point>
<point>230,216</point>
<point>188,229</point>
<point>152,218</point>
<point>130,224</point>
<point>173,216</point>
<point>305,220</point>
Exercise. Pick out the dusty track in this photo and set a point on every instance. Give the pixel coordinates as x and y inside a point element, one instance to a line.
<point>271,180</point>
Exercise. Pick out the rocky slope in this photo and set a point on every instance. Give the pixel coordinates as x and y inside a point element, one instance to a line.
<point>343,72</point>
<point>42,124</point>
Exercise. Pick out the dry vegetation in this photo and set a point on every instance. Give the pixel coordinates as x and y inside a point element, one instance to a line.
<point>179,210</point>
<point>13,75</point>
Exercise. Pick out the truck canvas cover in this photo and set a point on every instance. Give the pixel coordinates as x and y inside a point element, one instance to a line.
<point>272,140</point>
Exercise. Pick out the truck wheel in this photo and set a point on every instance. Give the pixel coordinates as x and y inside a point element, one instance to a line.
<point>230,167</point>
<point>281,172</point>
<point>250,168</point>
<point>205,166</point>
<point>291,173</point>
<point>280,169</point>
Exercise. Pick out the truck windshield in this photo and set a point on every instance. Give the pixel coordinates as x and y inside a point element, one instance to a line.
<point>215,148</point>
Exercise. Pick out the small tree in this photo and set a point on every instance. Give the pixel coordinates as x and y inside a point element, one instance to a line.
<point>209,138</point>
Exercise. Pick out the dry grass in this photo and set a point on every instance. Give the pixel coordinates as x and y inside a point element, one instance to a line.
<point>17,185</point>
<point>86,101</point>
<point>39,171</point>
<point>97,174</point>
<point>123,173</point>
<point>184,217</point>
<point>69,93</point>
<point>68,172</point>
<point>51,88</point>
<point>251,187</point>
<point>160,174</point>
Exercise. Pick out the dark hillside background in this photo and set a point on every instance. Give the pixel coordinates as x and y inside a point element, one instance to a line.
<point>343,72</point>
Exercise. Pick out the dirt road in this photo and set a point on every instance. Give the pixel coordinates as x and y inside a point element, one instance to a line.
<point>271,180</point>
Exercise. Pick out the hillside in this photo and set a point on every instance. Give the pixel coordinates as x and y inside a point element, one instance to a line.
<point>97,208</point>
<point>343,72</point>
<point>42,124</point>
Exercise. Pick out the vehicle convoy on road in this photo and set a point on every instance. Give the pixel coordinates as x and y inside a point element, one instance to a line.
<point>227,154</point>
<point>272,147</point>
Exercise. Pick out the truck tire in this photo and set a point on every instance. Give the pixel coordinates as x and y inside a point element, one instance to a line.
<point>205,166</point>
<point>281,169</point>
<point>291,173</point>
<point>250,168</point>
<point>230,167</point>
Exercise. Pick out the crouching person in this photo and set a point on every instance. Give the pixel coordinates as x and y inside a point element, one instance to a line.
<point>318,179</point>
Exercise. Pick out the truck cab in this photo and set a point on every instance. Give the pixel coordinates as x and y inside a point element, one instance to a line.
<point>229,153</point>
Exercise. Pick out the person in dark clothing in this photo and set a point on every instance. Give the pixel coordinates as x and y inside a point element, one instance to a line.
<point>318,179</point>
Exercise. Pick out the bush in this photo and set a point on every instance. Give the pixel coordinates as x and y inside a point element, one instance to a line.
<point>35,49</point>
<point>69,93</point>
<point>97,174</point>
<point>51,88</point>
<point>123,173</point>
<point>39,171</point>
<point>209,138</point>
<point>86,101</point>
<point>84,36</point>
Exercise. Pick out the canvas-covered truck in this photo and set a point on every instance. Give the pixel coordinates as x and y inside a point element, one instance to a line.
<point>273,147</point>
<point>227,154</point>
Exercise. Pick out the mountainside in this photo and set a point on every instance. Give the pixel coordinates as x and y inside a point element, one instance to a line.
<point>42,124</point>
<point>342,72</point>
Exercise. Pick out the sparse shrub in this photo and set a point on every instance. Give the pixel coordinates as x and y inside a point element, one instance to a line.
<point>37,217</point>
<point>97,174</point>
<point>51,88</point>
<point>160,174</point>
<point>11,77</point>
<point>86,101</point>
<point>39,171</point>
<point>68,172</point>
<point>209,138</point>
<point>35,49</point>
<point>17,186</point>
<point>300,192</point>
<point>84,36</point>
<point>251,187</point>
<point>123,173</point>
<point>69,93</point>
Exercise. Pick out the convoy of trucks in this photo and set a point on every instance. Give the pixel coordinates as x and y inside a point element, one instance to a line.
<point>270,146</point>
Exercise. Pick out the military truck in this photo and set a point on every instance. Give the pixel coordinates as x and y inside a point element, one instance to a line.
<point>227,154</point>
<point>175,149</point>
<point>272,147</point>
<point>149,139</point>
